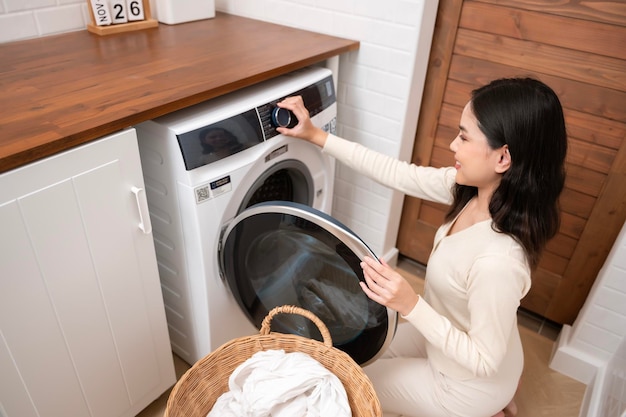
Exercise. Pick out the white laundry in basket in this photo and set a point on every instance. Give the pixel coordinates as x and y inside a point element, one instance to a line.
<point>278,384</point>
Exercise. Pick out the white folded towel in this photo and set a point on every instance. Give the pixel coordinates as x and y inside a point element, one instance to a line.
<point>273,383</point>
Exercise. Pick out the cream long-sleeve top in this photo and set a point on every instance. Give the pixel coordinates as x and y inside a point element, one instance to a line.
<point>475,278</point>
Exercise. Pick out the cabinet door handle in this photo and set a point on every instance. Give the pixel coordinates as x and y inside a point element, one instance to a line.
<point>142,206</point>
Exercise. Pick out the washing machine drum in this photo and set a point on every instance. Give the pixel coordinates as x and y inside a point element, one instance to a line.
<point>279,253</point>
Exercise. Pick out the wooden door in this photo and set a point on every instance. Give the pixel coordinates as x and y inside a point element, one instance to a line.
<point>579,49</point>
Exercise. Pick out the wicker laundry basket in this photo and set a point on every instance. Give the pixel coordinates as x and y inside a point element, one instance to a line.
<point>198,389</point>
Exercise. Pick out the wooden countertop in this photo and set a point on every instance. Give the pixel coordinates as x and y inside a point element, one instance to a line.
<point>61,91</point>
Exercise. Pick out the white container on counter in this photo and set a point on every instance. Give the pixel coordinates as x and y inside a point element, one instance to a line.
<point>172,12</point>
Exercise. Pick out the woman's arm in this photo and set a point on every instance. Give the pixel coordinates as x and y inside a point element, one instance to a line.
<point>422,182</point>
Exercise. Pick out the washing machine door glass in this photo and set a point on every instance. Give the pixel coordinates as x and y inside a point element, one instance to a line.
<point>279,253</point>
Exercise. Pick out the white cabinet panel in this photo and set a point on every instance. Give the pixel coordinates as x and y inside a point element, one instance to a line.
<point>30,330</point>
<point>81,314</point>
<point>17,399</point>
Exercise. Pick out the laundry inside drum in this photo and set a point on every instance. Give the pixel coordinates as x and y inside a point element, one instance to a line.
<point>290,267</point>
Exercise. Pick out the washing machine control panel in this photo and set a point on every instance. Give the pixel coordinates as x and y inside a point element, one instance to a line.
<point>316,97</point>
<point>237,133</point>
<point>281,117</point>
<point>270,120</point>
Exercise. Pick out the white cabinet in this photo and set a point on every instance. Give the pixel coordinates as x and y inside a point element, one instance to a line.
<point>82,322</point>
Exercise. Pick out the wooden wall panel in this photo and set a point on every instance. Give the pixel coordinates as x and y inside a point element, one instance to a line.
<point>433,213</point>
<point>554,263</point>
<point>542,58</point>
<point>594,244</point>
<point>576,203</point>
<point>596,129</point>
<point>582,35</point>
<point>414,235</point>
<point>590,155</point>
<point>584,180</point>
<point>576,47</point>
<point>604,11</point>
<point>572,226</point>
<point>592,100</point>
<point>562,245</point>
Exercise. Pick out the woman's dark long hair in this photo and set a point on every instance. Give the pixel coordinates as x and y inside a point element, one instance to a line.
<point>526,115</point>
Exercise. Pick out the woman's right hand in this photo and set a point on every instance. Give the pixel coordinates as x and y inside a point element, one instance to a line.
<point>387,287</point>
<point>305,129</point>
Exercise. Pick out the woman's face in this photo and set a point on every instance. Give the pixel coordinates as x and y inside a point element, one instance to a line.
<point>477,165</point>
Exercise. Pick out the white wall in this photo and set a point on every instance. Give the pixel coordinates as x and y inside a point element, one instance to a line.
<point>593,341</point>
<point>25,19</point>
<point>606,395</point>
<point>379,91</point>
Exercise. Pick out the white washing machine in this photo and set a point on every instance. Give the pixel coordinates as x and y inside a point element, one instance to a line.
<point>241,223</point>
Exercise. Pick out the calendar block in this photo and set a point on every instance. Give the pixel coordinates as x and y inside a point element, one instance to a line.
<point>119,11</point>
<point>116,16</point>
<point>135,10</point>
<point>100,12</point>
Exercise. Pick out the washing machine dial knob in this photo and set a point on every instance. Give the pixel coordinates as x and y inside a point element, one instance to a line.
<point>281,117</point>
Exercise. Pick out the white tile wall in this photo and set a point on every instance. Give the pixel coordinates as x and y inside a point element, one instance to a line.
<point>593,341</point>
<point>613,402</point>
<point>380,86</point>
<point>606,395</point>
<point>25,19</point>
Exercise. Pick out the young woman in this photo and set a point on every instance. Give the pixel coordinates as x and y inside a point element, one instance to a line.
<point>459,352</point>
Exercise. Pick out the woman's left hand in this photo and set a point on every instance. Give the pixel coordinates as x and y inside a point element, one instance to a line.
<point>387,287</point>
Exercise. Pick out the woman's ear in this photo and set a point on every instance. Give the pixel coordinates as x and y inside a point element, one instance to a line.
<point>504,160</point>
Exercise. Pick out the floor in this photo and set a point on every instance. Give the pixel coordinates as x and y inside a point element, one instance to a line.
<point>543,392</point>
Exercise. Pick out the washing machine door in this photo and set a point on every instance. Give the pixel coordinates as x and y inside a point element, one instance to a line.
<point>279,253</point>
